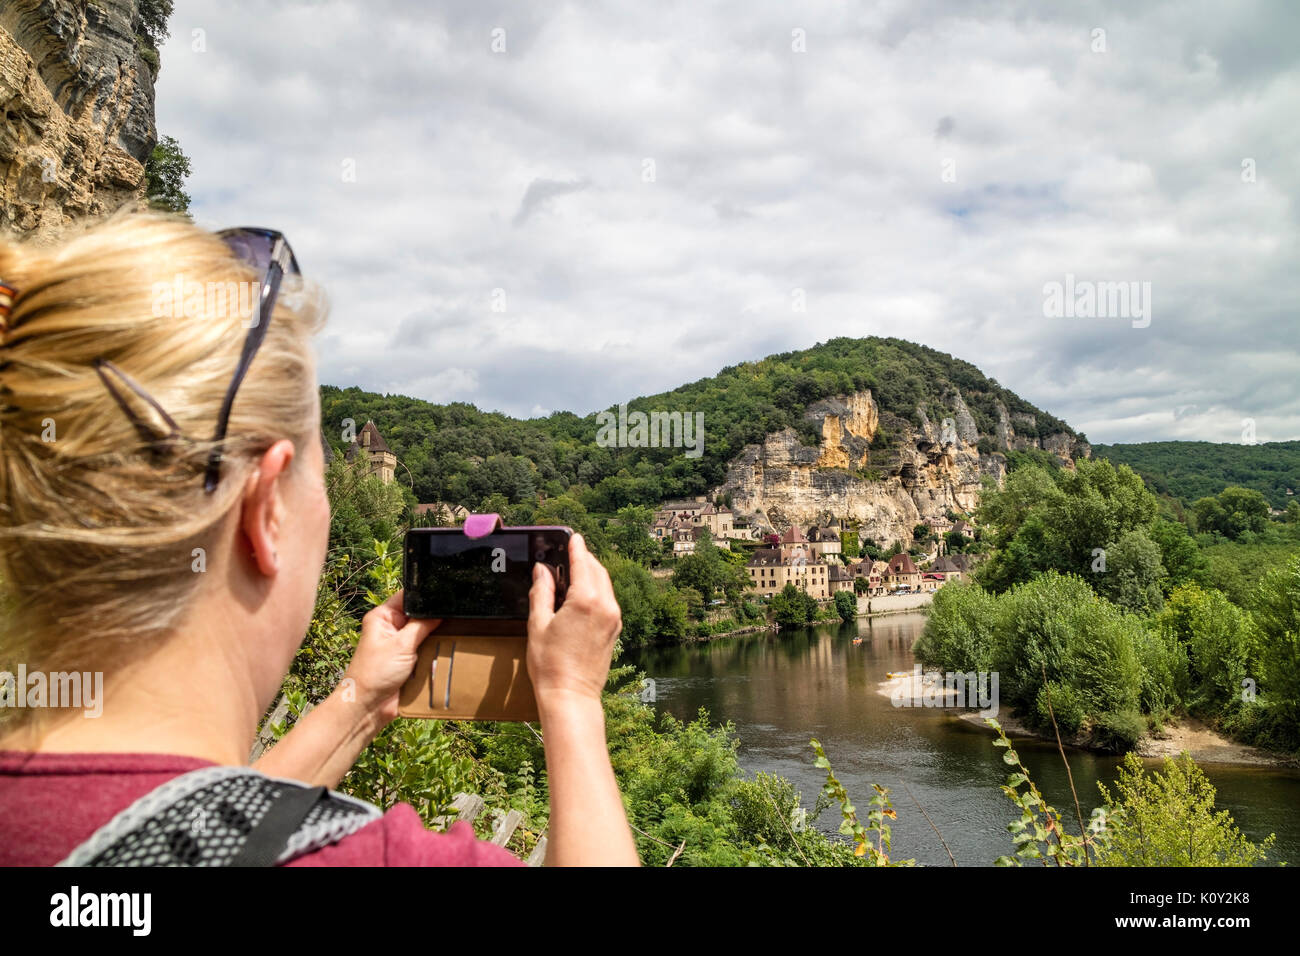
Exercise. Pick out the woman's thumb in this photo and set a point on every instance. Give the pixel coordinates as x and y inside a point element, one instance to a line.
<point>541,599</point>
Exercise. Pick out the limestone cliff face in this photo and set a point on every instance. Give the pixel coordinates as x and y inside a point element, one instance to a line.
<point>78,106</point>
<point>920,472</point>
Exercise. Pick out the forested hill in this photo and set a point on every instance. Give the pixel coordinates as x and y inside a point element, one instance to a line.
<point>458,453</point>
<point>1188,470</point>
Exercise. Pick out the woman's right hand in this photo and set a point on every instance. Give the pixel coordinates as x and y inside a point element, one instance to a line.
<point>569,652</point>
<point>568,662</point>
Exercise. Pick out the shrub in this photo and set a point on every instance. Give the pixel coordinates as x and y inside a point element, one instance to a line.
<point>1066,703</point>
<point>1277,611</point>
<point>1168,819</point>
<point>1218,640</point>
<point>959,634</point>
<point>846,606</point>
<point>1165,680</point>
<point>788,606</point>
<point>1118,730</point>
<point>1055,628</point>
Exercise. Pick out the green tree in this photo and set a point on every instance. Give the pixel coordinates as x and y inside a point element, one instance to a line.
<point>960,632</point>
<point>153,16</point>
<point>635,591</point>
<point>151,31</point>
<point>631,535</point>
<point>1168,819</point>
<point>1182,559</point>
<point>671,614</point>
<point>1232,512</point>
<point>846,606</point>
<point>788,607</point>
<point>956,542</point>
<point>698,571</point>
<point>1277,614</point>
<point>1220,643</point>
<point>1057,520</point>
<point>1134,573</point>
<point>1055,630</point>
<point>165,174</point>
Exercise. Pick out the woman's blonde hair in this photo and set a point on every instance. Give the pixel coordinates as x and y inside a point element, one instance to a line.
<point>98,523</point>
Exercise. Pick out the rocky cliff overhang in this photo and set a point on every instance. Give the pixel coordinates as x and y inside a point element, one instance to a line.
<point>78,103</point>
<point>885,488</point>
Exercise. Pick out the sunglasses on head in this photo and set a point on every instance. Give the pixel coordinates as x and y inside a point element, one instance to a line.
<point>268,252</point>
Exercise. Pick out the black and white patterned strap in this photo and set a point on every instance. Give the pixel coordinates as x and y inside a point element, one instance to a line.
<point>205,818</point>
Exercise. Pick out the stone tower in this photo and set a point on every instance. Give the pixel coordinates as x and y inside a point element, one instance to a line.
<point>379,457</point>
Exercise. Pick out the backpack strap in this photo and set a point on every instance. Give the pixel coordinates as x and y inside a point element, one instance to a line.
<point>267,840</point>
<point>224,816</point>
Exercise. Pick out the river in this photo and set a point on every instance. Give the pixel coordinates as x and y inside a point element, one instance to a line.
<point>780,690</point>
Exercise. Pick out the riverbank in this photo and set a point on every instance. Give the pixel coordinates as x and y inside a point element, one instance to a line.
<point>893,603</point>
<point>701,638</point>
<point>773,628</point>
<point>1202,742</point>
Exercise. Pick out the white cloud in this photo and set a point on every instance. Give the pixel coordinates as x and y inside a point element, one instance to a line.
<point>774,170</point>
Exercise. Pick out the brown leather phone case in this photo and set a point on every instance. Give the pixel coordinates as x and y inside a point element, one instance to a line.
<point>471,670</point>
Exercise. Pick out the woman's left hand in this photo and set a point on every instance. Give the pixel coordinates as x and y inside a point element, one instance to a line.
<point>385,657</point>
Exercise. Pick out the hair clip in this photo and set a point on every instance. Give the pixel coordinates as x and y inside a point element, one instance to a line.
<point>7,295</point>
<point>154,437</point>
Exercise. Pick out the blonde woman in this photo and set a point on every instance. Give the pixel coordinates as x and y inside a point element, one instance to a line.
<point>141,431</point>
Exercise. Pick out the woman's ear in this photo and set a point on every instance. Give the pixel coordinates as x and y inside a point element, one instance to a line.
<point>263,510</point>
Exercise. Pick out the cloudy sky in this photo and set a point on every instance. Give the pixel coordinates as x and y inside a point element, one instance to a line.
<point>535,206</point>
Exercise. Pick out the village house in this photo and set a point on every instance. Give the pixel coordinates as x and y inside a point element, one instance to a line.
<point>949,568</point>
<point>444,512</point>
<point>939,525</point>
<point>839,579</point>
<point>771,569</point>
<point>931,582</point>
<point>873,572</point>
<point>699,513</point>
<point>717,520</point>
<point>825,541</point>
<point>698,531</point>
<point>901,574</point>
<point>665,524</point>
<point>683,541</point>
<point>793,536</point>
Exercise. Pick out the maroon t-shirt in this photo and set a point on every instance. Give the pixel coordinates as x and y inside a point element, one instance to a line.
<point>50,803</point>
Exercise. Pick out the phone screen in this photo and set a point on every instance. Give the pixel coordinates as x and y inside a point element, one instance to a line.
<point>447,574</point>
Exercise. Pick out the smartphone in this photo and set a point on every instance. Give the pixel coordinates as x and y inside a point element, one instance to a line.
<point>448,575</point>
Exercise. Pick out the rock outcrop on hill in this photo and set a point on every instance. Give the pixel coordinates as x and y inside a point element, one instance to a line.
<point>887,487</point>
<point>78,105</point>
